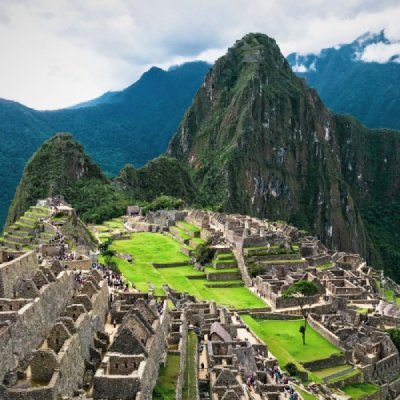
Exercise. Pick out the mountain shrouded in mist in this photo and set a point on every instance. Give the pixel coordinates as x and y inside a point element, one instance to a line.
<point>350,79</point>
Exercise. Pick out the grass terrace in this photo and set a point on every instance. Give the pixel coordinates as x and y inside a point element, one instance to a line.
<point>327,265</point>
<point>166,383</point>
<point>360,390</point>
<point>188,227</point>
<point>285,343</point>
<point>148,248</point>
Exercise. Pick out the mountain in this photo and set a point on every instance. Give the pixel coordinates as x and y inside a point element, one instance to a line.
<point>131,126</point>
<point>348,83</point>
<point>61,166</point>
<point>258,141</point>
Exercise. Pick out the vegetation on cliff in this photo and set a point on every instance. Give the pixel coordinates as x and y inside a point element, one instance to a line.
<point>258,141</point>
<point>60,166</point>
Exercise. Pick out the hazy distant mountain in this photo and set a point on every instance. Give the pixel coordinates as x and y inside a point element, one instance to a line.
<point>348,82</point>
<point>131,126</point>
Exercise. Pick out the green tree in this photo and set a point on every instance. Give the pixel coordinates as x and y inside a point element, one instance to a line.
<point>395,336</point>
<point>303,291</point>
<point>204,253</point>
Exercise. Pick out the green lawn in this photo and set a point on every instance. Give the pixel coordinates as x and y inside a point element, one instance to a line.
<point>284,341</point>
<point>197,241</point>
<point>167,377</point>
<point>359,390</point>
<point>147,248</point>
<point>188,227</point>
<point>389,296</point>
<point>189,385</point>
<point>181,233</point>
<point>327,265</point>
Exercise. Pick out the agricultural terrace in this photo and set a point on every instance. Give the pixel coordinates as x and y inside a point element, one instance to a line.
<point>360,390</point>
<point>149,248</point>
<point>285,343</point>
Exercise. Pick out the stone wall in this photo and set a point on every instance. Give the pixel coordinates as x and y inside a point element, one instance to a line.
<point>148,376</point>
<point>116,387</point>
<point>100,305</point>
<point>182,360</point>
<point>223,276</point>
<point>12,271</point>
<point>34,322</point>
<point>83,265</point>
<point>329,362</point>
<point>324,332</point>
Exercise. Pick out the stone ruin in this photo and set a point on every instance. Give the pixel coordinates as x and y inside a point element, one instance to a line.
<point>62,337</point>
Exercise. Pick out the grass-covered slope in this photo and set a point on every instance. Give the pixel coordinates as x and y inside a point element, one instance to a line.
<point>259,141</point>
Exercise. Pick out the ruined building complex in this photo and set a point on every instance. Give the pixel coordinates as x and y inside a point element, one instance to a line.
<point>67,333</point>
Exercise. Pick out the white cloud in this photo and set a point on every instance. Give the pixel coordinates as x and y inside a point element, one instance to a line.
<point>57,53</point>
<point>381,52</point>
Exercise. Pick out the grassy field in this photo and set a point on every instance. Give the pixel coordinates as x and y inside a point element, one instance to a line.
<point>360,390</point>
<point>148,248</point>
<point>189,386</point>
<point>285,343</point>
<point>167,377</point>
<point>188,227</point>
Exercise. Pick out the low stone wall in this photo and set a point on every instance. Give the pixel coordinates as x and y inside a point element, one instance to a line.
<point>169,265</point>
<point>348,381</point>
<point>223,285</point>
<point>329,362</point>
<point>12,271</point>
<point>34,322</point>
<point>223,276</point>
<point>275,316</point>
<point>187,252</point>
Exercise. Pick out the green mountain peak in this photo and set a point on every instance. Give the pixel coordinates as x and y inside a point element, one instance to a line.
<point>260,142</point>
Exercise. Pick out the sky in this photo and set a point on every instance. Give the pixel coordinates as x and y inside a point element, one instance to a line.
<point>56,53</point>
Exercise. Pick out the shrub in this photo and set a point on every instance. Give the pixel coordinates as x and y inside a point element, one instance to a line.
<point>291,369</point>
<point>204,253</point>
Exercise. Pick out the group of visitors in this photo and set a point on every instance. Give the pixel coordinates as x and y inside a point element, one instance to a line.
<point>251,382</point>
<point>113,279</point>
<point>280,378</point>
<point>78,276</point>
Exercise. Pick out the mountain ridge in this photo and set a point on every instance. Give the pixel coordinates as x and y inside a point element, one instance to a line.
<point>133,130</point>
<point>349,84</point>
